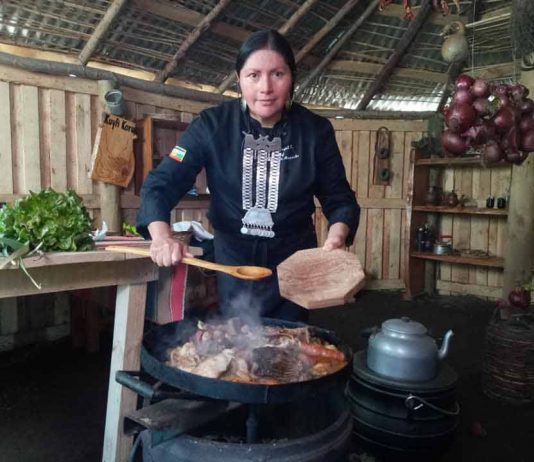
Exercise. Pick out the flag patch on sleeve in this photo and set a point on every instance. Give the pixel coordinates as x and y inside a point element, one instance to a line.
<point>178,153</point>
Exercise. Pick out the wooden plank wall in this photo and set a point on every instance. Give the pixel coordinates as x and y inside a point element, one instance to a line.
<point>381,234</point>
<point>47,128</point>
<point>487,234</point>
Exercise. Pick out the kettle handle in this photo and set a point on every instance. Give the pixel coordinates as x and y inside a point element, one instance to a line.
<point>411,404</point>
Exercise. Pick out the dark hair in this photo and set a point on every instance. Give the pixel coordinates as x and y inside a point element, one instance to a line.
<point>267,40</point>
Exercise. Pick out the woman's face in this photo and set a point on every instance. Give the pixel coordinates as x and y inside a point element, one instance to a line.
<point>265,81</point>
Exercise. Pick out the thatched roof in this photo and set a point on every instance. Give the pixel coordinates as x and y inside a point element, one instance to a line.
<point>203,36</point>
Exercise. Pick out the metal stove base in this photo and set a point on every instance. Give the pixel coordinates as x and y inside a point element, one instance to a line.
<point>327,445</point>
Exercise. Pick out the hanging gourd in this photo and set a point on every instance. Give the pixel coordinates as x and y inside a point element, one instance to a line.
<point>455,47</point>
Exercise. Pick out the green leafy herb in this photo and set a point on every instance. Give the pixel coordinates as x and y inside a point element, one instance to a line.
<point>129,229</point>
<point>48,219</point>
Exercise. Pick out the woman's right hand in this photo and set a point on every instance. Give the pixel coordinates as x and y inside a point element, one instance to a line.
<point>165,250</point>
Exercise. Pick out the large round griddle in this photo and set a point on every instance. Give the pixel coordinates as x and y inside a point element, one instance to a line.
<point>161,338</point>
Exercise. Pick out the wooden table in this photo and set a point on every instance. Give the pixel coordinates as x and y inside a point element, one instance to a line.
<point>63,271</point>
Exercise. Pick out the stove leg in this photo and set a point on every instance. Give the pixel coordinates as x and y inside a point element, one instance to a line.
<point>252,424</point>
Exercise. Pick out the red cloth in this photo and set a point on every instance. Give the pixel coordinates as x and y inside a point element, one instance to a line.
<point>177,294</point>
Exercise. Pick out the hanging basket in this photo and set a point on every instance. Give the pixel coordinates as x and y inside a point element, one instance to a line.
<point>508,367</point>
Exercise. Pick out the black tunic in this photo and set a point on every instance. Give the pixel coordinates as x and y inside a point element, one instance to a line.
<point>311,166</point>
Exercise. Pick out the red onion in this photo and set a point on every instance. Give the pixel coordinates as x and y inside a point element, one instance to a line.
<point>526,106</point>
<point>504,118</point>
<point>476,135</point>
<point>488,128</point>
<point>518,91</point>
<point>501,90</point>
<point>522,157</point>
<point>492,153</point>
<point>462,96</point>
<point>482,106</point>
<point>514,157</point>
<point>460,117</point>
<point>504,101</point>
<point>464,82</point>
<point>527,141</point>
<point>526,124</point>
<point>480,88</point>
<point>453,143</point>
<point>519,297</point>
<point>510,141</point>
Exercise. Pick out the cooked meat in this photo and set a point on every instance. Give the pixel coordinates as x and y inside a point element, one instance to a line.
<point>279,363</point>
<point>185,357</point>
<point>239,352</point>
<point>214,366</point>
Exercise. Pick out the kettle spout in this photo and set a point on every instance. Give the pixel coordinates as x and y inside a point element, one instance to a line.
<point>442,353</point>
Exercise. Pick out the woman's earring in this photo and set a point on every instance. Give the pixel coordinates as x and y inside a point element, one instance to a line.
<point>243,104</point>
<point>288,104</point>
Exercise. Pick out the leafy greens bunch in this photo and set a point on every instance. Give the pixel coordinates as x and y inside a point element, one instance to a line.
<point>48,219</point>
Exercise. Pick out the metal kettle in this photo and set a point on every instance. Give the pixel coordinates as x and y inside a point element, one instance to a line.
<point>403,350</point>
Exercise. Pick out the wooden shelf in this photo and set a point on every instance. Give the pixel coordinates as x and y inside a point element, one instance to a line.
<point>492,262</point>
<point>474,161</point>
<point>461,210</point>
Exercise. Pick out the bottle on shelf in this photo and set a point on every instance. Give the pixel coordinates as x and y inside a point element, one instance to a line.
<point>419,239</point>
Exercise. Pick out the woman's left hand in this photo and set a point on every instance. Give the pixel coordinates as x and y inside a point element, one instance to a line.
<point>337,236</point>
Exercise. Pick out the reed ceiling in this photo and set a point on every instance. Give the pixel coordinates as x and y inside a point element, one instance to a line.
<point>145,35</point>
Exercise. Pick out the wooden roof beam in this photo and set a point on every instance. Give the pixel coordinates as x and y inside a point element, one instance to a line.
<point>191,39</point>
<point>325,29</point>
<point>362,67</point>
<point>284,29</point>
<point>101,30</point>
<point>175,12</point>
<point>400,50</point>
<point>330,55</point>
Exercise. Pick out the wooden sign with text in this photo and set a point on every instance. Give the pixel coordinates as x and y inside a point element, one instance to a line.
<point>113,156</point>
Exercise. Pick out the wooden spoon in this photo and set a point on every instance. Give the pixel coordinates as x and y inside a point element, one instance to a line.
<point>252,273</point>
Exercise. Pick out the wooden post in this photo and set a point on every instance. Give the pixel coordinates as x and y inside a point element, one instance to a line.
<point>401,48</point>
<point>519,257</point>
<point>288,25</point>
<point>371,8</point>
<point>100,30</point>
<point>127,336</point>
<point>191,39</point>
<point>109,193</point>
<point>315,39</point>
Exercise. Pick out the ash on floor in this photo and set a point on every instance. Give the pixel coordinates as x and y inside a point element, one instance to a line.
<point>53,398</point>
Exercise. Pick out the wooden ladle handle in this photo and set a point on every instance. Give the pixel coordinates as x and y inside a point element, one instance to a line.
<point>252,273</point>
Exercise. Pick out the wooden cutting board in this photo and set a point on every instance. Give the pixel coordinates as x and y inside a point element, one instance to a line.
<point>316,278</point>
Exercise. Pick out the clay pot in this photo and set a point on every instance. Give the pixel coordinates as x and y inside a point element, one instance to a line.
<point>451,199</point>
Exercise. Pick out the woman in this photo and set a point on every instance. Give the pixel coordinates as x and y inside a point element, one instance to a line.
<point>265,158</point>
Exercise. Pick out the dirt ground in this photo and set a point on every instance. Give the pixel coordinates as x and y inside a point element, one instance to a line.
<point>53,398</point>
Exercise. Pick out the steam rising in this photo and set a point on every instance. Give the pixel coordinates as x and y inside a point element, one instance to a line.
<point>245,307</point>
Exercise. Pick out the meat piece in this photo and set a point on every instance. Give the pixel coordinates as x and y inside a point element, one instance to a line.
<point>315,349</point>
<point>325,368</point>
<point>301,334</point>
<point>214,366</point>
<point>184,357</point>
<point>280,364</point>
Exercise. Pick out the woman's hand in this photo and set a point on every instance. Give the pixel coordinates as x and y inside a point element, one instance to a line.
<point>337,235</point>
<point>165,250</point>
